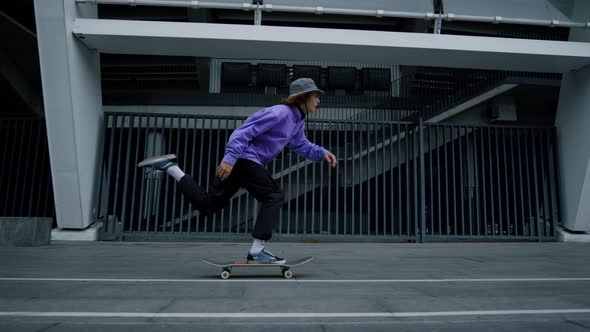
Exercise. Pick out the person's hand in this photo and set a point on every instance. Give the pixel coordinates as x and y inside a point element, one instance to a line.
<point>331,159</point>
<point>224,170</point>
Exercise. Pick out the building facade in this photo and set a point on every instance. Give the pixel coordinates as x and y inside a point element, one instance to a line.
<point>450,119</point>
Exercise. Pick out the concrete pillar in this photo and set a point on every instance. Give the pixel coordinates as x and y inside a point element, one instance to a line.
<point>573,122</point>
<point>70,74</point>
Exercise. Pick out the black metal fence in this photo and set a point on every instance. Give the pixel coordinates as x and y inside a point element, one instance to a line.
<point>25,174</point>
<point>395,181</point>
<point>493,182</point>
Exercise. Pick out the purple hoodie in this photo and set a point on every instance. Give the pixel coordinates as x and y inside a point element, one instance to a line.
<point>267,132</point>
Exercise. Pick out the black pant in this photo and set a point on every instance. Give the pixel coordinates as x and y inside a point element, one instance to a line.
<point>245,174</point>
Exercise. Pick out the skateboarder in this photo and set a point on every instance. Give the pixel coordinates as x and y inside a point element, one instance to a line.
<point>249,149</point>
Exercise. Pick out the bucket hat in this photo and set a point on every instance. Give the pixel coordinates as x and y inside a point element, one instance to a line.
<point>302,85</point>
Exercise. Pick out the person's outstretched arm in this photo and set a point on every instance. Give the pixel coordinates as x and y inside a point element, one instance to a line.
<point>303,147</point>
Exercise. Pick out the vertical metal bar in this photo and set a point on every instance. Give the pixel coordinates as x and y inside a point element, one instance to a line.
<point>141,192</point>
<point>507,193</point>
<point>483,182</point>
<point>158,181</point>
<point>289,199</point>
<point>383,173</point>
<point>470,184</point>
<point>520,176</point>
<point>422,182</point>
<point>499,179</point>
<point>491,178</point>
<point>513,176</point>
<point>361,178</point>
<point>314,131</point>
<point>367,178</point>
<point>476,178</point>
<point>461,184</point>
<point>370,224</point>
<point>409,193</point>
<point>544,176</point>
<point>199,178</point>
<point>353,211</point>
<point>166,177</point>
<point>109,169</point>
<point>391,184</point>
<point>346,179</point>
<point>375,178</point>
<point>135,170</point>
<point>446,152</point>
<point>297,194</point>
<point>282,186</point>
<point>430,172</point>
<point>455,216</point>
<point>528,184</point>
<point>173,194</point>
<point>118,161</point>
<point>551,142</point>
<point>272,171</point>
<point>154,190</point>
<point>535,182</point>
<point>185,168</point>
<point>225,139</point>
<point>415,144</point>
<point>438,188</point>
<point>305,191</point>
<point>337,198</point>
<point>209,219</point>
<point>399,178</point>
<point>321,189</point>
<point>217,148</point>
<point>330,132</point>
<point>175,183</point>
<point>240,197</point>
<point>126,177</point>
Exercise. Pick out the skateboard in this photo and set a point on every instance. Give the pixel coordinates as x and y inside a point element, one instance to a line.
<point>285,268</point>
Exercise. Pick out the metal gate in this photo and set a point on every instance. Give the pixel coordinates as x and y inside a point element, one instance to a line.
<point>396,181</point>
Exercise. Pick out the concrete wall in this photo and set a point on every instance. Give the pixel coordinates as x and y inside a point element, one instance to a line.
<point>573,122</point>
<point>70,74</point>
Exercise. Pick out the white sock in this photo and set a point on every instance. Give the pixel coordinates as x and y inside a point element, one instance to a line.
<point>257,246</point>
<point>175,172</point>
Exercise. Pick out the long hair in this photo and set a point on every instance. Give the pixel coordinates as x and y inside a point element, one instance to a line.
<point>296,100</point>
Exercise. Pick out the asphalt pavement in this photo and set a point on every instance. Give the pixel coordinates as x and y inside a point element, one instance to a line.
<point>147,286</point>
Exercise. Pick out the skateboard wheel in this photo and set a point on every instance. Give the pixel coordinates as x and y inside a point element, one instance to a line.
<point>225,274</point>
<point>287,274</point>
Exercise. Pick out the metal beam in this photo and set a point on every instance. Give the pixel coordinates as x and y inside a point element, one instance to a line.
<point>307,44</point>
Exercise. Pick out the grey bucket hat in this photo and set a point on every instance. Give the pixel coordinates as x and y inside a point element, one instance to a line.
<point>302,85</point>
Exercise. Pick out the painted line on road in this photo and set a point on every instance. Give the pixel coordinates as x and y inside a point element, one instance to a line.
<point>291,314</point>
<point>295,280</point>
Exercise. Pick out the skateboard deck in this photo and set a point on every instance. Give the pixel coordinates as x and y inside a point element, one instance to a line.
<point>226,267</point>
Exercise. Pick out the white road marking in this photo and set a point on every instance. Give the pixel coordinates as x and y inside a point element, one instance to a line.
<point>291,315</point>
<point>295,280</point>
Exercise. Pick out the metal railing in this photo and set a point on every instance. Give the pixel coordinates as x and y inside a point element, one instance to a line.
<point>395,181</point>
<point>490,182</point>
<point>25,174</point>
<point>318,10</point>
